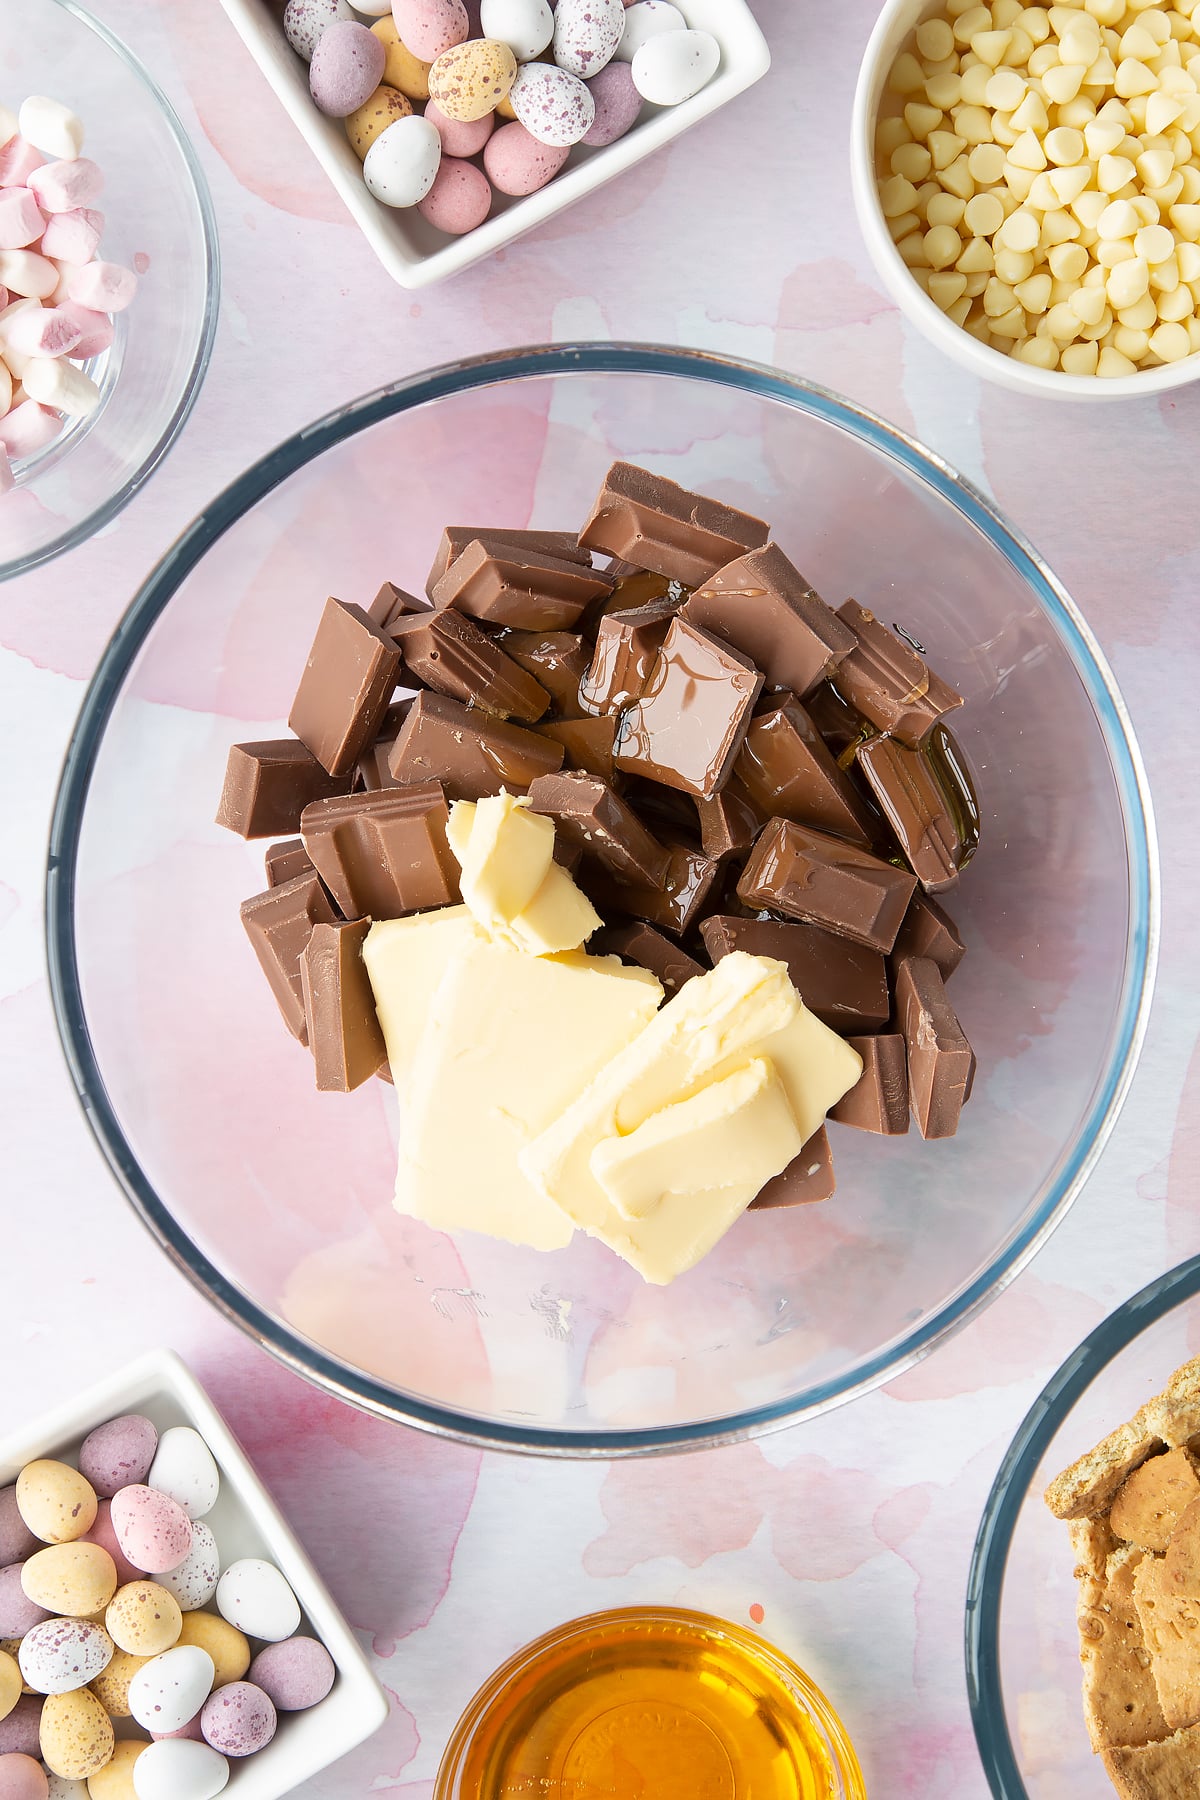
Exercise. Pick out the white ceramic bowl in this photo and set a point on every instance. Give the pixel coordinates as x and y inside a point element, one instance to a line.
<point>410,249</point>
<point>897,19</point>
<point>245,1522</point>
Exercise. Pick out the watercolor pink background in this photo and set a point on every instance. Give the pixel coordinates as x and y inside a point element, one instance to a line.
<point>849,1538</point>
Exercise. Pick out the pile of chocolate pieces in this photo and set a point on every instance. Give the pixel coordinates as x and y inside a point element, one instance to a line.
<point>729,763</point>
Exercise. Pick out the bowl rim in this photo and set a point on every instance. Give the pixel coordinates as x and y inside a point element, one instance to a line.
<point>151,600</point>
<point>104,514</point>
<point>989,1558</point>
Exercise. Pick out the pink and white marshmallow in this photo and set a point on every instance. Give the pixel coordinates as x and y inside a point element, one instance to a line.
<point>100,286</point>
<point>21,219</point>
<point>60,187</point>
<point>73,237</point>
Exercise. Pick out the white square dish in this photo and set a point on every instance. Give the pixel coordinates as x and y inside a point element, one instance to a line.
<point>246,1522</point>
<point>412,251</point>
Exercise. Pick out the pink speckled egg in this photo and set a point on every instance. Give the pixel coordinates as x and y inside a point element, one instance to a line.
<point>517,163</point>
<point>153,1530</point>
<point>294,1675</point>
<point>21,1731</point>
<point>18,1613</point>
<point>346,68</point>
<point>238,1719</point>
<point>102,1533</point>
<point>116,1454</point>
<point>618,104</point>
<point>460,137</point>
<point>428,27</point>
<point>554,106</point>
<point>460,198</point>
<point>192,1731</point>
<point>16,1540</point>
<point>21,1778</point>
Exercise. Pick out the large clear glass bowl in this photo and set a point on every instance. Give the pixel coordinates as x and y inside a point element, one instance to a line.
<point>276,1200</point>
<point>159,220</point>
<point>1022,1646</point>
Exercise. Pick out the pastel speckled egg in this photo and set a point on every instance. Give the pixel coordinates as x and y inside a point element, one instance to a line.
<point>56,1502</point>
<point>16,1540</point>
<point>255,1597</point>
<point>459,138</point>
<point>153,1530</point>
<point>296,1674</point>
<point>180,1769</point>
<point>460,198</point>
<point>227,1646</point>
<point>526,26</point>
<point>401,70</point>
<point>191,1730</point>
<point>553,105</point>
<point>144,1619</point>
<point>618,104</point>
<point>586,34</point>
<point>20,1732</point>
<point>18,1613</point>
<point>675,65</point>
<point>184,1467</point>
<point>115,1780</point>
<point>469,81</point>
<point>76,1579</point>
<point>428,27</point>
<point>76,1734</point>
<point>238,1719</point>
<point>171,1688</point>
<point>61,1655</point>
<point>346,68</point>
<point>194,1582</point>
<point>385,106</point>
<point>62,1789</point>
<point>400,167</point>
<point>102,1533</point>
<point>645,19</point>
<point>305,20</point>
<point>118,1453</point>
<point>112,1687</point>
<point>517,164</point>
<point>21,1778</point>
<point>10,1684</point>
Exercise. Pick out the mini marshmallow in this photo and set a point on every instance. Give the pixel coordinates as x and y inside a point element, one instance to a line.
<point>95,330</point>
<point>58,383</point>
<point>18,160</point>
<point>62,186</point>
<point>6,389</point>
<point>8,124</point>
<point>73,237</point>
<point>51,127</point>
<point>100,286</point>
<point>21,220</point>
<point>27,428</point>
<point>25,272</point>
<point>46,332</point>
<point>8,480</point>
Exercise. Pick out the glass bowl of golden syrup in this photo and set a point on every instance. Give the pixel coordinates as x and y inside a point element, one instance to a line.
<point>656,1703</point>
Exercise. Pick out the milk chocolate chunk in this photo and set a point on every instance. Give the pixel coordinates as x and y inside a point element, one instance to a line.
<point>828,882</point>
<point>561,544</point>
<point>633,589</point>
<point>279,924</point>
<point>640,943</point>
<point>268,785</point>
<point>528,589</point>
<point>762,605</point>
<point>688,726</point>
<point>447,651</point>
<point>729,822</point>
<point>626,646</point>
<point>591,814</point>
<point>808,1177</point>
<point>941,1063</point>
<point>468,753</point>
<point>588,743</point>
<point>888,682</point>
<point>843,983</point>
<point>655,524</point>
<point>283,862</point>
<point>878,1101</point>
<point>674,906</point>
<point>383,855</point>
<point>392,603</point>
<point>339,1008</point>
<point>345,688</point>
<point>557,660</point>
<point>929,931</point>
<point>787,771</point>
<point>916,807</point>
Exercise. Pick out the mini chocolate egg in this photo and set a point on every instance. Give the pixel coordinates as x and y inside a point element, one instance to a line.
<point>517,164</point>
<point>170,1689</point>
<point>400,166</point>
<point>77,1580</point>
<point>469,80</point>
<point>401,70</point>
<point>373,9</point>
<point>179,1769</point>
<point>459,139</point>
<point>194,1582</point>
<point>255,1597</point>
<point>586,34</point>
<point>190,1730</point>
<point>18,1613</point>
<point>112,1687</point>
<point>385,106</point>
<point>61,1655</point>
<point>60,1788</point>
<point>22,1779</point>
<point>618,104</point>
<point>238,1720</point>
<point>646,19</point>
<point>526,26</point>
<point>20,1731</point>
<point>460,198</point>
<point>227,1646</point>
<point>56,1502</point>
<point>144,1619</point>
<point>118,1453</point>
<point>115,1780</point>
<point>427,27</point>
<point>16,1540</point>
<point>673,66</point>
<point>184,1467</point>
<point>553,105</point>
<point>295,1674</point>
<point>305,20</point>
<point>346,68</point>
<point>10,1684</point>
<point>102,1533</point>
<point>76,1734</point>
<point>153,1530</point>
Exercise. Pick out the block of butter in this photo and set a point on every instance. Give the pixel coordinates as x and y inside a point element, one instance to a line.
<point>510,880</point>
<point>406,960</point>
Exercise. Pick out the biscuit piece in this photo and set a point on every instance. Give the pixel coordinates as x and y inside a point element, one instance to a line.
<point>1120,1700</point>
<point>1166,1771</point>
<point>1093,1543</point>
<point>1171,1628</point>
<point>1152,1500</point>
<point>1167,1421</point>
<point>1181,1570</point>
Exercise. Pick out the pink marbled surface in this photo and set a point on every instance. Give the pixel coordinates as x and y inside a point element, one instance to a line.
<point>852,1534</point>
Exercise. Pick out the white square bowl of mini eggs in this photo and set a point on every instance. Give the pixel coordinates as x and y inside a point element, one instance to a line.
<point>1046,234</point>
<point>718,52</point>
<point>242,1635</point>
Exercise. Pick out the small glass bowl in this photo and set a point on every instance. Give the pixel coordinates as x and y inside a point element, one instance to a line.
<point>158,221</point>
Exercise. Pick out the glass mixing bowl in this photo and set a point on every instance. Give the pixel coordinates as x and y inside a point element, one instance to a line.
<point>276,1200</point>
<point>158,220</point>
<point>1021,1643</point>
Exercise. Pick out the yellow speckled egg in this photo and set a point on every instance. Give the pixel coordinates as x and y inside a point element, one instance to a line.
<point>385,106</point>
<point>115,1780</point>
<point>143,1618</point>
<point>77,1581</point>
<point>11,1647</point>
<point>402,70</point>
<point>469,80</point>
<point>77,1735</point>
<point>11,1684</point>
<point>55,1501</point>
<point>112,1687</point>
<point>228,1647</point>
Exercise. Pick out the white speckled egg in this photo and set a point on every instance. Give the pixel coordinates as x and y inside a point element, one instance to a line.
<point>553,105</point>
<point>179,1769</point>
<point>374,9</point>
<point>586,34</point>
<point>60,1655</point>
<point>674,65</point>
<point>170,1689</point>
<point>646,19</point>
<point>194,1582</point>
<point>402,163</point>
<point>305,20</point>
<point>526,26</point>
<point>255,1597</point>
<point>185,1468</point>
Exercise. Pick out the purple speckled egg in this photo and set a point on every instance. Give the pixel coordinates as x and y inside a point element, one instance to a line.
<point>18,1613</point>
<point>117,1454</point>
<point>21,1731</point>
<point>21,1778</point>
<point>554,106</point>
<point>295,1674</point>
<point>238,1719</point>
<point>427,27</point>
<point>347,67</point>
<point>586,34</point>
<point>16,1540</point>
<point>460,138</point>
<point>517,164</point>
<point>102,1533</point>
<point>153,1530</point>
<point>618,104</point>
<point>460,198</point>
<point>304,22</point>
